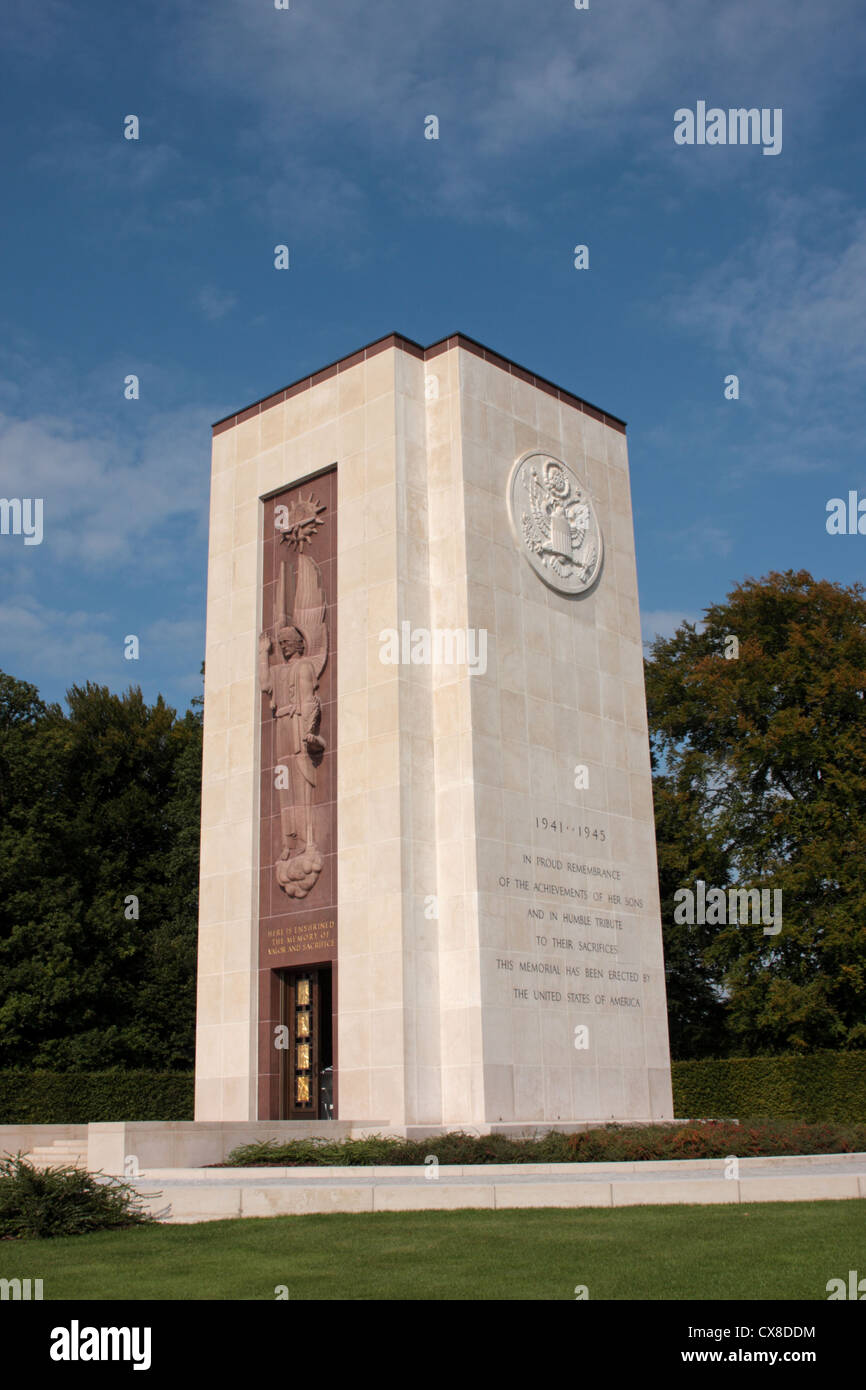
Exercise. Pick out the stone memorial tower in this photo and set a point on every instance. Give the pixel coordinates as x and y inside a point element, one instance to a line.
<point>428,875</point>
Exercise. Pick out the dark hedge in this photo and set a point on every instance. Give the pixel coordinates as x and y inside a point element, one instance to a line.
<point>824,1086</point>
<point>820,1086</point>
<point>70,1098</point>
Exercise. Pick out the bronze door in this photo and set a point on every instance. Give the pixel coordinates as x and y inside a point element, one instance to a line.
<point>307,1013</point>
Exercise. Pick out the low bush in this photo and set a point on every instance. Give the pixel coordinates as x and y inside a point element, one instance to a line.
<point>714,1139</point>
<point>64,1201</point>
<point>606,1144</point>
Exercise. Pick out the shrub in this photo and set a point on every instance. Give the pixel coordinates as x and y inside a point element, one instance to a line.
<point>62,1201</point>
<point>615,1143</point>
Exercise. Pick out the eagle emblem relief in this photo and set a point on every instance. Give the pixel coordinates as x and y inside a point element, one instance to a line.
<point>554,522</point>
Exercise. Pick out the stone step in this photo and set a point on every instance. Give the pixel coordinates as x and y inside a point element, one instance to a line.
<point>59,1149</point>
<point>62,1153</point>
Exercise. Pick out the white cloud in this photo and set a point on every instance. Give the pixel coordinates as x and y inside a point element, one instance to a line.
<point>784,311</point>
<point>331,86</point>
<point>78,645</point>
<point>109,494</point>
<point>788,303</point>
<point>44,640</point>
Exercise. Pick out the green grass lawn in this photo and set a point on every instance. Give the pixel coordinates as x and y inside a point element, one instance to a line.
<point>784,1250</point>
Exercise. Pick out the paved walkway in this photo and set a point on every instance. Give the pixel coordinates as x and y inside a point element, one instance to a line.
<point>202,1194</point>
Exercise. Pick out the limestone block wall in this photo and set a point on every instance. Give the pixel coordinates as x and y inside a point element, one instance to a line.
<point>346,415</point>
<point>563,687</point>
<point>442,774</point>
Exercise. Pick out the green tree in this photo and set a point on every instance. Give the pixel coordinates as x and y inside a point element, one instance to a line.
<point>760,759</point>
<point>100,808</point>
<point>689,848</point>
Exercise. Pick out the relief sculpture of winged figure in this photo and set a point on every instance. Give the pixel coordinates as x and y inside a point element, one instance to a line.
<point>300,644</point>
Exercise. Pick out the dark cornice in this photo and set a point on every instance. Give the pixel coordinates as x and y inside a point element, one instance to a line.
<point>396,340</point>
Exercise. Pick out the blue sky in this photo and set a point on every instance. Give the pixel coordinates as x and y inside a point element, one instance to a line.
<point>306,127</point>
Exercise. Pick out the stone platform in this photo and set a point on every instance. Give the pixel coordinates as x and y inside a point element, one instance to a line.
<point>191,1195</point>
<point>126,1147</point>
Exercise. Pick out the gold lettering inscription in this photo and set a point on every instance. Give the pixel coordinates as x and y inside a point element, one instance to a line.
<point>286,938</point>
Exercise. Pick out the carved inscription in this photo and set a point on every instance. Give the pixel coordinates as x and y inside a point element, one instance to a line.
<point>580,946</point>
